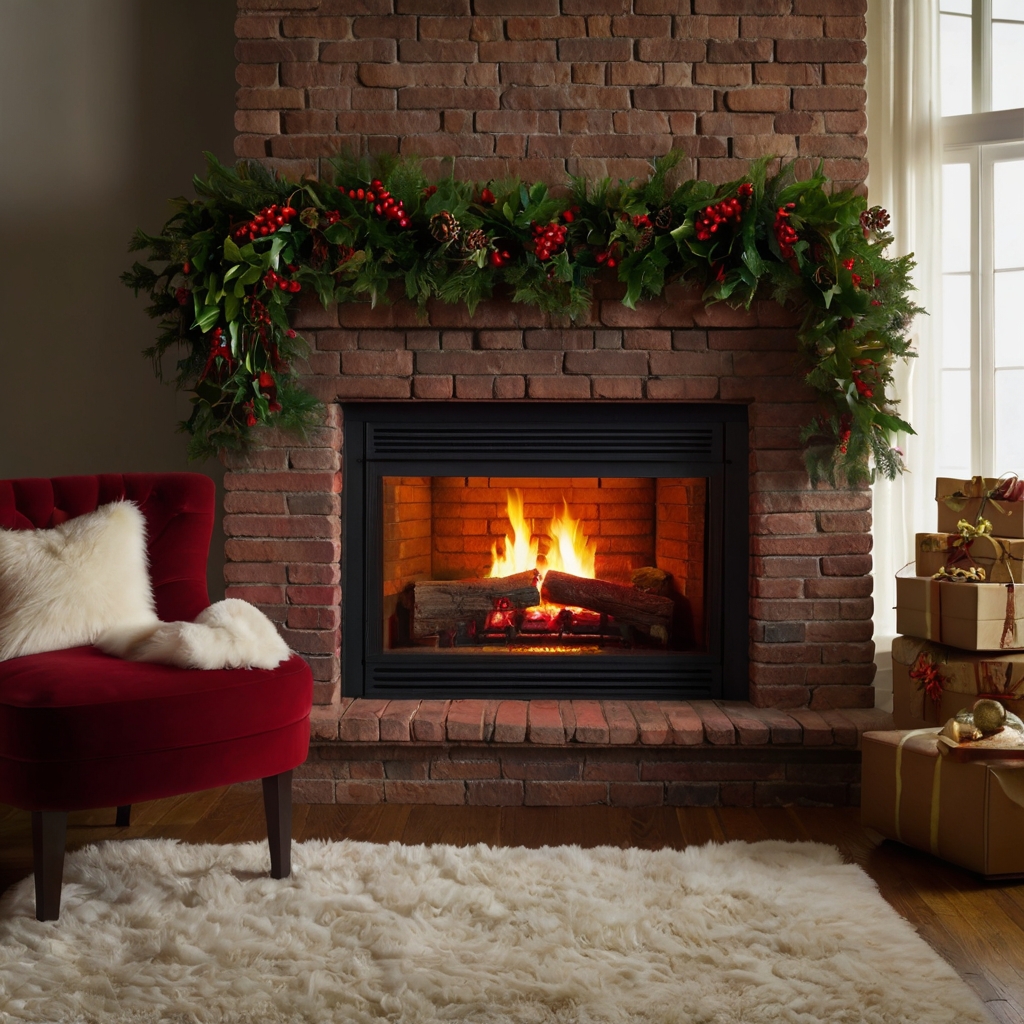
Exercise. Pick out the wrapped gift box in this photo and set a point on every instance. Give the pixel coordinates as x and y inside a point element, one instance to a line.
<point>1007,520</point>
<point>1002,559</point>
<point>965,676</point>
<point>968,615</point>
<point>970,813</point>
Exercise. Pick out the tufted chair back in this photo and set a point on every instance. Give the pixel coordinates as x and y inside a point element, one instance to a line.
<point>178,508</point>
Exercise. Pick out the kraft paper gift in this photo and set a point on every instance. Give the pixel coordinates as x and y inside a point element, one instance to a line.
<point>1002,559</point>
<point>973,616</point>
<point>970,813</point>
<point>964,676</point>
<point>962,499</point>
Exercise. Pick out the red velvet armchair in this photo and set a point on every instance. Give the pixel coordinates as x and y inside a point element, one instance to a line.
<point>80,729</point>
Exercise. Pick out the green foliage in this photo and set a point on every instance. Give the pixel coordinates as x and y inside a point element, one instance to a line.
<point>222,294</point>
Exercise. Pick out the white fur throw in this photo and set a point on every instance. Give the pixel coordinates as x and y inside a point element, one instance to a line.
<point>62,587</point>
<point>228,634</point>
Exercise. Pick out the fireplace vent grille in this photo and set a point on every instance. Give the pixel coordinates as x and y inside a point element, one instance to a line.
<point>676,677</point>
<point>545,443</point>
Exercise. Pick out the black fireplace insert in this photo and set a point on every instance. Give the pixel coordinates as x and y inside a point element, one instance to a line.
<point>514,550</point>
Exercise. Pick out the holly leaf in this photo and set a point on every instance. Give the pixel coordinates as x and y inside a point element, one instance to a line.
<point>206,318</point>
<point>231,251</point>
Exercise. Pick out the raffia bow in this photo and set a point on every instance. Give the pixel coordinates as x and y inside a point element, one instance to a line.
<point>1008,488</point>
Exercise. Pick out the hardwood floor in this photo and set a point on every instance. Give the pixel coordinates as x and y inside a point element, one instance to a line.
<point>977,926</point>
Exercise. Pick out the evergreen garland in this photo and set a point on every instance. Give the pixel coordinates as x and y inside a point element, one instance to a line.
<point>230,263</point>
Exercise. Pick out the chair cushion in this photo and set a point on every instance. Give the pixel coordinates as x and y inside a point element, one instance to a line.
<point>64,586</point>
<point>178,508</point>
<point>79,728</point>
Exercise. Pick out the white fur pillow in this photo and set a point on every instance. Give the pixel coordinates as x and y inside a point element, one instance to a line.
<point>228,634</point>
<point>63,587</point>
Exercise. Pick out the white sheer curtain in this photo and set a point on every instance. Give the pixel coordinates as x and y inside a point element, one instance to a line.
<point>905,154</point>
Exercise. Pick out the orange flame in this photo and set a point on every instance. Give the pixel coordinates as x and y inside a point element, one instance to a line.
<point>569,550</point>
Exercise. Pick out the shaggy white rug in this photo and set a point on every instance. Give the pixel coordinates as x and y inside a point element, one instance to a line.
<point>157,931</point>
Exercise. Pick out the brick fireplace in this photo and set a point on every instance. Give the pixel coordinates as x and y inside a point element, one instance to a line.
<point>543,88</point>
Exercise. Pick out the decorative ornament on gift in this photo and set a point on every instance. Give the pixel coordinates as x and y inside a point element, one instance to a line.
<point>986,720</point>
<point>928,677</point>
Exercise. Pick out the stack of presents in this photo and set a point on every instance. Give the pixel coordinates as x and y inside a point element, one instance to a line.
<point>950,780</point>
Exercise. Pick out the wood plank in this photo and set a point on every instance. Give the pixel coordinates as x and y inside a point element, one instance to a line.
<point>650,828</point>
<point>699,825</point>
<point>458,826</point>
<point>718,727</point>
<point>742,823</point>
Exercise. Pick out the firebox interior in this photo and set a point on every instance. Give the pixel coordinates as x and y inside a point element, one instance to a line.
<point>502,549</point>
<point>642,540</point>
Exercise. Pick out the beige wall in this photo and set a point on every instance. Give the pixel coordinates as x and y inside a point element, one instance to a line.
<point>107,108</point>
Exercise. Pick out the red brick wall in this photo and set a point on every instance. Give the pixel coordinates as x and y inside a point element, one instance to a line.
<point>542,88</point>
<point>545,87</point>
<point>810,588</point>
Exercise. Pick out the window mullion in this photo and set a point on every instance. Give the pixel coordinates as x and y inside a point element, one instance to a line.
<point>981,55</point>
<point>983,335</point>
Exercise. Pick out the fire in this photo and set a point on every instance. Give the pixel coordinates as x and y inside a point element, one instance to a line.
<point>569,550</point>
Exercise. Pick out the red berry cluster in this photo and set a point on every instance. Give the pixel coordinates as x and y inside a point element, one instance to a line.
<point>258,311</point>
<point>610,256</point>
<point>785,234</point>
<point>499,259</point>
<point>866,367</point>
<point>266,222</point>
<point>641,220</point>
<point>547,239</point>
<point>272,279</point>
<point>728,212</point>
<point>383,202</point>
<point>268,388</point>
<point>856,278</point>
<point>844,433</point>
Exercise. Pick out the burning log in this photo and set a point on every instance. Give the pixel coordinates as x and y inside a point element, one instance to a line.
<point>443,605</point>
<point>628,605</point>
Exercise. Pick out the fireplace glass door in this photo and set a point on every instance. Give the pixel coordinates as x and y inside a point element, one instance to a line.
<point>512,550</point>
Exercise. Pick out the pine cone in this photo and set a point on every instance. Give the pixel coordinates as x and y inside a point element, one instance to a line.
<point>663,218</point>
<point>475,240</point>
<point>645,239</point>
<point>444,227</point>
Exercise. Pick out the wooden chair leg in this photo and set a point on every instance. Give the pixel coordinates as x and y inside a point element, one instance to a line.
<point>277,803</point>
<point>49,834</point>
<point>124,816</point>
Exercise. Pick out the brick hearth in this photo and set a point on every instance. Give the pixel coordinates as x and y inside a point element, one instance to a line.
<point>543,89</point>
<point>625,753</point>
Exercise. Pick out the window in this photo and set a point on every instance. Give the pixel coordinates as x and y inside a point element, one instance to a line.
<point>982,330</point>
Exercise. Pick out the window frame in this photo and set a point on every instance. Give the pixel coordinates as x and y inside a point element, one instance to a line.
<point>981,140</point>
